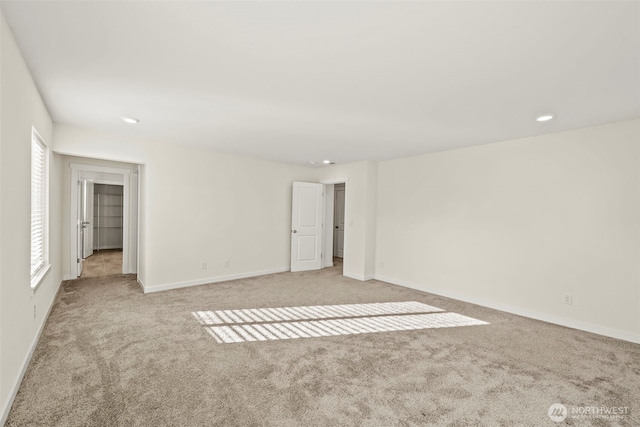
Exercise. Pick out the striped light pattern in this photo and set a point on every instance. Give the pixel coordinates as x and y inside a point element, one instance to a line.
<point>279,314</point>
<point>238,326</point>
<point>325,328</point>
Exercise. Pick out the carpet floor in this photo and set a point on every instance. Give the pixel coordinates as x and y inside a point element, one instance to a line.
<point>103,263</point>
<point>110,355</point>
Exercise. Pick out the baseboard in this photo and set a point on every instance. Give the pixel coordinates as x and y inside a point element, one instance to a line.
<point>362,278</point>
<point>25,365</point>
<point>178,285</point>
<point>520,311</point>
<point>68,277</point>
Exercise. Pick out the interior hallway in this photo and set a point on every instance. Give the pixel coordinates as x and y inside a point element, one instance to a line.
<point>103,263</point>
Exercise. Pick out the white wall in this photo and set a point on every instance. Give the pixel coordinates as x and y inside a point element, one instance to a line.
<point>22,107</point>
<point>517,224</point>
<point>360,214</point>
<point>208,207</point>
<point>200,206</point>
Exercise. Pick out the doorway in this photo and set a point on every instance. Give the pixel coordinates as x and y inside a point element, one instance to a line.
<point>318,232</point>
<point>335,235</point>
<point>338,221</point>
<point>103,220</point>
<point>102,228</point>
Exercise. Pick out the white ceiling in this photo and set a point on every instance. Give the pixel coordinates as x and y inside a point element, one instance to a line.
<point>345,81</point>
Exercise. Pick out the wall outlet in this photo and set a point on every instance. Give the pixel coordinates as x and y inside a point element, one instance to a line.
<point>567,299</point>
<point>204,265</point>
<point>381,264</point>
<point>225,263</point>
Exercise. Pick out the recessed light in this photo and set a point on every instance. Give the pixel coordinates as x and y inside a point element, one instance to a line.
<point>130,120</point>
<point>544,118</point>
<point>326,162</point>
<point>311,162</point>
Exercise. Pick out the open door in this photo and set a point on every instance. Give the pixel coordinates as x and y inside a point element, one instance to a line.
<point>306,226</point>
<point>87,218</point>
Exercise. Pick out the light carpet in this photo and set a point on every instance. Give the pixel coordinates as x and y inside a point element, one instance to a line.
<point>110,355</point>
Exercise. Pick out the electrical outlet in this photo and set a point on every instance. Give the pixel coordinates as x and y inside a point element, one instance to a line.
<point>225,263</point>
<point>204,265</point>
<point>381,264</point>
<point>567,299</point>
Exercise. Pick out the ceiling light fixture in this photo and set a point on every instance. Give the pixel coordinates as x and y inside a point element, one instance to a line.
<point>130,120</point>
<point>544,118</point>
<point>326,162</point>
<point>312,162</point>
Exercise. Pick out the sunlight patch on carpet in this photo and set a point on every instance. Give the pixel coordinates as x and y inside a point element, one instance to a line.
<point>265,324</point>
<point>222,317</point>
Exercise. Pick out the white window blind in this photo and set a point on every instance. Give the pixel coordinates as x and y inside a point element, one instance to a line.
<point>39,204</point>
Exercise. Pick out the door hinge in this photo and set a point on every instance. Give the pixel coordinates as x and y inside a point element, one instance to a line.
<point>78,260</point>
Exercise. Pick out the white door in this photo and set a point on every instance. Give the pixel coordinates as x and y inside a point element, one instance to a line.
<point>87,218</point>
<point>306,226</point>
<point>338,218</point>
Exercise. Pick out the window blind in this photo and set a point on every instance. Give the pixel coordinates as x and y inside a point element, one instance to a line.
<point>39,189</point>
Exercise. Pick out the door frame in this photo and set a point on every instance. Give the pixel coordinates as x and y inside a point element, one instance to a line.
<point>327,249</point>
<point>336,247</point>
<point>76,169</point>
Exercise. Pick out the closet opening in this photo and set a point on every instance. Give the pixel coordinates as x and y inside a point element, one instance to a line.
<point>104,258</point>
<point>334,247</point>
<point>338,224</point>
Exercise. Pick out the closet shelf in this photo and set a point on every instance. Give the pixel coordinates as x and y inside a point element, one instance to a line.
<point>108,211</point>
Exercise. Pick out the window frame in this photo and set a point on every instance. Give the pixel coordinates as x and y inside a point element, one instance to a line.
<point>37,142</point>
